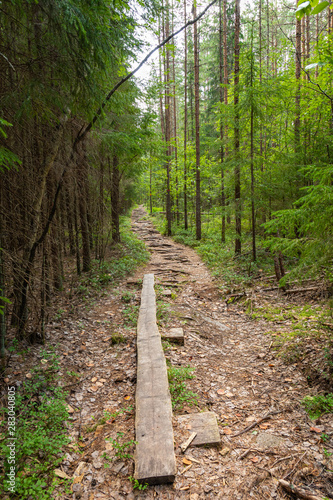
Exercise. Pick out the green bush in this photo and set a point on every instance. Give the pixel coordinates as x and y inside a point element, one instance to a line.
<point>177,385</point>
<point>316,406</point>
<point>40,434</point>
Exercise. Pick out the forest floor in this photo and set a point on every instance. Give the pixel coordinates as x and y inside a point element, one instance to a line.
<point>266,435</point>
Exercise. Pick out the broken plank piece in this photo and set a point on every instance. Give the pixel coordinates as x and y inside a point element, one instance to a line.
<point>188,441</point>
<point>174,335</point>
<point>155,461</point>
<point>205,425</point>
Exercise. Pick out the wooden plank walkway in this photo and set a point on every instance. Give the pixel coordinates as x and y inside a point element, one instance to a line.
<point>155,461</point>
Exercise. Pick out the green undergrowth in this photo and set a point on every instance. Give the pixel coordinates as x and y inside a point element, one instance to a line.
<point>126,257</point>
<point>108,417</point>
<point>318,405</point>
<point>39,434</point>
<point>180,394</point>
<point>302,334</point>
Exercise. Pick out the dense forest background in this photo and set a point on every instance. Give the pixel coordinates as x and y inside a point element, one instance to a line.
<point>229,142</point>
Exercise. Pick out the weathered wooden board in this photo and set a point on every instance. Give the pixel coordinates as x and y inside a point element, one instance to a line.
<point>155,461</point>
<point>174,335</point>
<point>205,425</point>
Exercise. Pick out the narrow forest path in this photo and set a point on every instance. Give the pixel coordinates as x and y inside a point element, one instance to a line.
<point>236,376</point>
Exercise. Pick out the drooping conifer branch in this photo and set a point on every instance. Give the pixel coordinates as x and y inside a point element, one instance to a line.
<point>84,132</point>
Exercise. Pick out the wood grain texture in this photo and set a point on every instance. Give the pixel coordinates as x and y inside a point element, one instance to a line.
<point>155,458</point>
<point>205,425</point>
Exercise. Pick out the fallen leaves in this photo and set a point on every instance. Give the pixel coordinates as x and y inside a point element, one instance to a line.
<point>61,474</point>
<point>225,450</point>
<point>316,429</point>
<point>69,409</point>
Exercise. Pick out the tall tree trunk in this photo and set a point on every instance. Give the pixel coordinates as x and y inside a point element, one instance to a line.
<point>267,37</point>
<point>197,127</point>
<point>162,116</point>
<point>150,187</point>
<point>43,295</point>
<point>303,41</point>
<point>82,177</point>
<point>307,56</point>
<point>168,124</point>
<point>260,82</point>
<point>76,227</point>
<point>221,123</point>
<point>101,214</point>
<point>254,251</point>
<point>116,176</point>
<point>69,214</point>
<point>185,121</point>
<point>297,123</point>
<point>317,40</point>
<point>238,244</point>
<point>2,302</point>
<point>175,120</point>
<point>226,82</point>
<point>56,254</point>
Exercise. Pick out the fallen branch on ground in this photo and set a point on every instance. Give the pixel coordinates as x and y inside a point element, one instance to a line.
<point>299,492</point>
<point>301,290</point>
<point>255,450</point>
<point>249,427</point>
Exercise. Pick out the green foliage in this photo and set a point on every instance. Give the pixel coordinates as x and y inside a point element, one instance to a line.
<point>137,485</point>
<point>108,417</point>
<point>308,227</point>
<point>318,405</point>
<point>122,447</point>
<point>162,312</point>
<point>180,395</point>
<point>310,7</point>
<point>117,338</point>
<point>131,253</point>
<point>2,307</point>
<point>166,345</point>
<point>41,411</point>
<point>127,297</point>
<point>130,314</point>
<point>7,158</point>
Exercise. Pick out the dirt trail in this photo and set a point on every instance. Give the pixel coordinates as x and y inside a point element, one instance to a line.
<point>236,376</point>
<point>239,379</point>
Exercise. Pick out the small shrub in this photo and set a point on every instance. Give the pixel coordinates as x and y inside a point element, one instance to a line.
<point>162,312</point>
<point>317,405</point>
<point>117,338</point>
<point>137,485</point>
<point>177,385</point>
<point>41,411</point>
<point>121,447</point>
<point>127,297</point>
